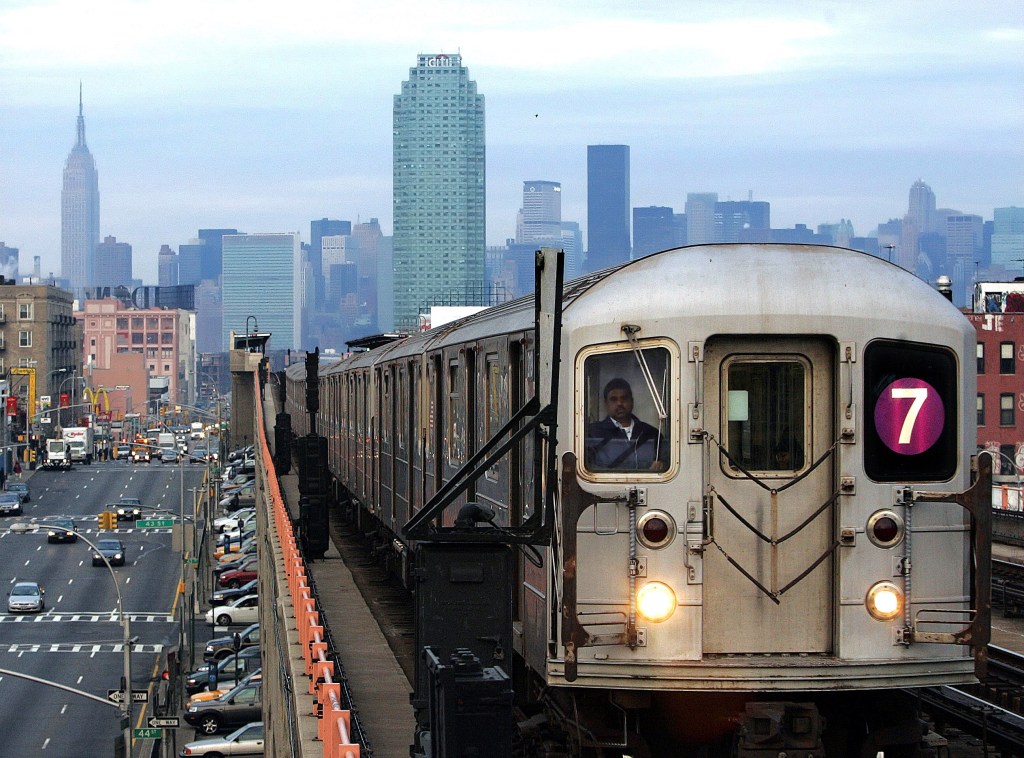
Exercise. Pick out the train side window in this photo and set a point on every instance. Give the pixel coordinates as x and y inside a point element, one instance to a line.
<point>627,418</point>
<point>765,402</point>
<point>453,409</point>
<point>911,412</point>
<point>492,416</point>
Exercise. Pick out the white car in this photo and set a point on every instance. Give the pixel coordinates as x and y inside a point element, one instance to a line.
<point>245,610</point>
<point>227,523</point>
<point>26,597</point>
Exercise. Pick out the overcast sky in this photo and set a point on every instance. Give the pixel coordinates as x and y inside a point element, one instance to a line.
<point>264,115</point>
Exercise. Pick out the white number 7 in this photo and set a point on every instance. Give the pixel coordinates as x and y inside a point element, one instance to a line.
<point>919,395</point>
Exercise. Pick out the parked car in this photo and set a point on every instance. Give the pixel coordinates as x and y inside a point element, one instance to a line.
<point>226,673</point>
<point>126,508</point>
<point>244,610</point>
<point>62,530</point>
<point>221,647</point>
<point>224,687</point>
<point>26,597</point>
<point>246,740</point>
<point>112,550</point>
<point>239,576</point>
<point>10,504</point>
<point>239,706</point>
<point>21,489</point>
<point>226,549</point>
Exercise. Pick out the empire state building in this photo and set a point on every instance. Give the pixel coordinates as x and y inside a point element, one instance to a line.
<point>79,212</point>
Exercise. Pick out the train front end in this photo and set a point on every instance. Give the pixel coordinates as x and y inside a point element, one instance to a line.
<point>788,509</point>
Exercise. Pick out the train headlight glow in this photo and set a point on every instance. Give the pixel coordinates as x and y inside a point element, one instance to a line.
<point>655,601</point>
<point>884,601</point>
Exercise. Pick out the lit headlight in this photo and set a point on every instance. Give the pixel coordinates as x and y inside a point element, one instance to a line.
<point>655,601</point>
<point>884,601</point>
<point>117,556</point>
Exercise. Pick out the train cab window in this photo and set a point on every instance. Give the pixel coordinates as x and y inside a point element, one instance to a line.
<point>765,402</point>
<point>627,399</point>
<point>911,412</point>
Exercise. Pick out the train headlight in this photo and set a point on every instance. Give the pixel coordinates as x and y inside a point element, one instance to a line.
<point>655,601</point>
<point>655,529</point>
<point>884,601</point>
<point>885,528</point>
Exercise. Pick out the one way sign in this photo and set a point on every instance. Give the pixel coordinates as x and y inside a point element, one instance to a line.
<point>157,723</point>
<point>138,696</point>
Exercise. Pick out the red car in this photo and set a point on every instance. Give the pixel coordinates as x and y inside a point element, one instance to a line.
<point>238,577</point>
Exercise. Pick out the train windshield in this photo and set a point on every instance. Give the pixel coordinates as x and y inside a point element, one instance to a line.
<point>627,416</point>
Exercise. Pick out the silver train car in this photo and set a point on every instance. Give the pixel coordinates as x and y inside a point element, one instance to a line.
<point>767,518</point>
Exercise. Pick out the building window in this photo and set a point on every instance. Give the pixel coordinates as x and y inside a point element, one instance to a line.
<point>1006,362</point>
<point>981,409</point>
<point>1007,463</point>
<point>24,311</point>
<point>981,357</point>
<point>24,338</point>
<point>167,338</point>
<point>1006,409</point>
<point>136,338</point>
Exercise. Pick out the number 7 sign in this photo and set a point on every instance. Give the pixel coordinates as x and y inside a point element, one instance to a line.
<point>909,416</point>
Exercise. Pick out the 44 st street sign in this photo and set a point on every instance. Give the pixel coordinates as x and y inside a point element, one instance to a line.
<point>138,696</point>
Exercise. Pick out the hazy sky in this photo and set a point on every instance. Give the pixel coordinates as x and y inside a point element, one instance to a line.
<point>264,115</point>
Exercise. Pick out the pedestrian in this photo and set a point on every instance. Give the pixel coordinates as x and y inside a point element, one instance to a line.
<point>17,469</point>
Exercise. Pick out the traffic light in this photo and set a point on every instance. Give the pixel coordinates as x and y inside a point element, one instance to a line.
<point>108,520</point>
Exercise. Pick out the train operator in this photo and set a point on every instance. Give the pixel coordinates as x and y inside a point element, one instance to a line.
<point>621,441</point>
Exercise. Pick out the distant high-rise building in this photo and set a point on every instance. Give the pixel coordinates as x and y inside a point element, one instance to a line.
<point>572,246</point>
<point>1008,238</point>
<point>167,266</point>
<point>262,277</point>
<point>920,219</point>
<point>9,263</point>
<point>79,212</point>
<point>112,263</point>
<point>190,262</point>
<point>607,206</point>
<point>700,217</point>
<point>318,229</point>
<point>541,212</point>
<point>213,252</point>
<point>653,230</point>
<point>742,221</point>
<point>439,201</point>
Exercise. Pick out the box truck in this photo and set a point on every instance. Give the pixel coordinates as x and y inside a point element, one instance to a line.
<point>80,442</point>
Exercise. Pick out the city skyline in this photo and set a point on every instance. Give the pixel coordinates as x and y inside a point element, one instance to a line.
<point>827,112</point>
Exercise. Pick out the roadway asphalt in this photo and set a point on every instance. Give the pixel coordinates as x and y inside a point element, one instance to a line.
<point>78,641</point>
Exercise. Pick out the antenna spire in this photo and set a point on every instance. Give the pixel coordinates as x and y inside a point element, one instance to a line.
<point>81,118</point>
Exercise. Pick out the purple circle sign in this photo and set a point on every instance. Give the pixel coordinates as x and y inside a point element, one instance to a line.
<point>909,416</point>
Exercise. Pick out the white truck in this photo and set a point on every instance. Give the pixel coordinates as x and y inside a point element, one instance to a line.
<point>57,456</point>
<point>80,443</point>
<point>168,447</point>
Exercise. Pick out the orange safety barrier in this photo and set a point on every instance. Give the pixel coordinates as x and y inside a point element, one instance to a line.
<point>334,723</point>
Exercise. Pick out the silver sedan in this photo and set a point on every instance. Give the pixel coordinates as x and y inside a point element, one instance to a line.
<point>247,740</point>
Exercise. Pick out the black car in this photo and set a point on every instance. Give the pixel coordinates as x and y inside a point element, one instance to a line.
<point>221,647</point>
<point>10,504</point>
<point>61,530</point>
<point>223,597</point>
<point>239,706</point>
<point>127,508</point>
<point>20,489</point>
<point>112,550</point>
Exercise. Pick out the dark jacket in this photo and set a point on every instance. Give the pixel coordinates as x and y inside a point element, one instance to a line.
<point>608,448</point>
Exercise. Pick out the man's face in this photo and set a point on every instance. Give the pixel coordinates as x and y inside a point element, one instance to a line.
<point>620,405</point>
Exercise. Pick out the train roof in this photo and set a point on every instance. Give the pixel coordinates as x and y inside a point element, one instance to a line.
<point>770,282</point>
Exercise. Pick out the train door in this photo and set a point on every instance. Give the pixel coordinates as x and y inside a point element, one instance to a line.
<point>768,571</point>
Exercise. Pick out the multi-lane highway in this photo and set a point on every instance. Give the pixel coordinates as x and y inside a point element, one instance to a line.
<point>77,641</point>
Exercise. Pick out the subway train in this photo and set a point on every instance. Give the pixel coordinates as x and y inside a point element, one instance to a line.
<point>768,520</point>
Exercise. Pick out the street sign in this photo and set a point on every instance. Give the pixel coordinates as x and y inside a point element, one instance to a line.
<point>171,723</point>
<point>138,696</point>
<point>123,387</point>
<point>154,523</point>
<point>147,734</point>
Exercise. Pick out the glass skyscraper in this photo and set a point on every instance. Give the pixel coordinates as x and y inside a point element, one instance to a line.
<point>607,206</point>
<point>262,277</point>
<point>439,202</point>
<point>79,213</point>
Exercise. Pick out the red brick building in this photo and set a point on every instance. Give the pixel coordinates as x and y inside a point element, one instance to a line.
<point>998,317</point>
